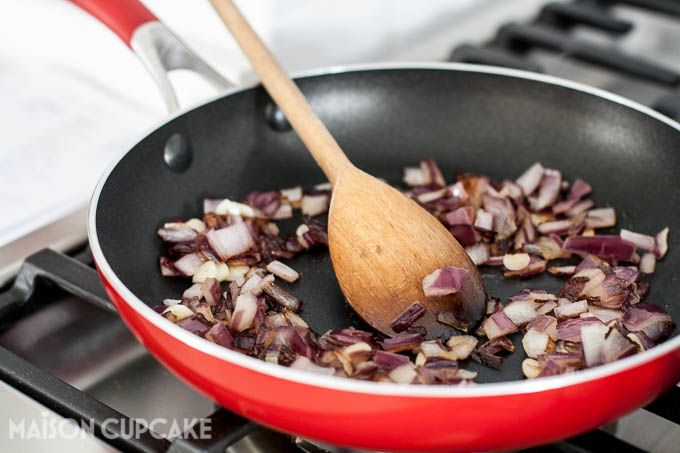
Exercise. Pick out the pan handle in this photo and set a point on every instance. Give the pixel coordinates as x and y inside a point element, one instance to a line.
<point>156,46</point>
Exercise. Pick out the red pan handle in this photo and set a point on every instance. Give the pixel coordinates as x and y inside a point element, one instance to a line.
<point>156,46</point>
<point>123,17</point>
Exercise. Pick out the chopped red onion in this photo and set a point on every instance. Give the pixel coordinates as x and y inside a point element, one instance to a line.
<point>531,178</point>
<point>478,253</point>
<point>461,216</point>
<point>648,263</point>
<point>444,281</point>
<point>516,261</point>
<point>484,220</point>
<point>435,176</point>
<point>570,330</point>
<point>282,297</point>
<point>465,234</point>
<point>230,241</point>
<point>548,191</point>
<point>661,244</point>
<point>641,241</point>
<point>188,264</point>
<point>429,197</point>
<point>579,189</point>
<point>407,317</point>
<point>562,271</point>
<point>617,346</point>
<point>303,363</point>
<point>193,325</point>
<point>580,208</point>
<point>601,218</point>
<point>462,345</point>
<point>219,334</point>
<point>402,342</point>
<point>649,319</point>
<point>546,324</point>
<point>389,361</point>
<point>282,271</point>
<point>520,312</point>
<point>503,215</point>
<point>244,312</point>
<point>606,315</point>
<point>554,364</point>
<point>602,246</point>
<point>571,310</point>
<point>404,374</point>
<point>498,325</point>
<point>536,343</point>
<point>211,291</point>
<point>313,205</point>
<point>593,341</point>
<point>486,359</point>
<point>172,235</point>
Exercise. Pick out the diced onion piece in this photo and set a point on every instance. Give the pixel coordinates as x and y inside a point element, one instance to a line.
<point>227,206</point>
<point>407,317</point>
<point>592,339</point>
<point>641,241</point>
<point>571,330</point>
<point>602,246</point>
<point>498,325</point>
<point>402,342</point>
<point>601,218</point>
<point>546,307</point>
<point>188,264</point>
<point>427,197</point>
<point>466,374</point>
<point>647,263</point>
<point>205,270</point>
<point>237,272</point>
<point>617,346</point>
<point>606,315</point>
<point>414,176</point>
<point>484,220</point>
<point>285,211</point>
<point>546,324</point>
<point>661,244</point>
<point>404,374</point>
<point>179,311</point>
<point>196,224</point>
<point>562,271</point>
<point>303,363</point>
<point>292,194</point>
<point>313,205</point>
<point>444,281</point>
<point>478,253</point>
<point>531,368</point>
<point>193,291</point>
<point>221,272</point>
<point>389,361</point>
<point>283,271</point>
<point>230,241</point>
<point>516,261</point>
<point>549,189</point>
<point>536,343</point>
<point>649,319</point>
<point>571,310</point>
<point>245,309</point>
<point>323,186</point>
<point>520,312</point>
<point>462,345</point>
<point>211,291</point>
<point>531,178</point>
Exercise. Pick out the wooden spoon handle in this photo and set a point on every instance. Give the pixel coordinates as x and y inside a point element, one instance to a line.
<point>285,93</point>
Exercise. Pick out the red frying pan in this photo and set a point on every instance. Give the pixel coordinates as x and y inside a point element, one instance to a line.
<point>468,118</point>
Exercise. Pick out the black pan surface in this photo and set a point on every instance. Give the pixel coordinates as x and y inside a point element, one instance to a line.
<point>385,119</point>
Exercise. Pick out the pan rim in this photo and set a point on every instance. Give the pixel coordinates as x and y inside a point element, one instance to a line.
<point>515,387</point>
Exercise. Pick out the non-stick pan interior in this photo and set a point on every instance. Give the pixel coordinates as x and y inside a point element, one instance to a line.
<point>384,120</point>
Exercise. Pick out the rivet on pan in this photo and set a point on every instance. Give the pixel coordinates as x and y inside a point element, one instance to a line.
<point>275,118</point>
<point>177,153</point>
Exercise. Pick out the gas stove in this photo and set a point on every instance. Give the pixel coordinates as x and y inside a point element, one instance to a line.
<point>75,379</point>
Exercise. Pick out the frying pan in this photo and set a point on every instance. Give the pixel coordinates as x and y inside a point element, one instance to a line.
<point>469,119</point>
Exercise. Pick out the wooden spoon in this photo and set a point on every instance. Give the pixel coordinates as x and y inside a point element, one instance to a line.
<point>382,244</point>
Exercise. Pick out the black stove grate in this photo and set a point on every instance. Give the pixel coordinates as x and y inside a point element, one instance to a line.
<point>550,31</point>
